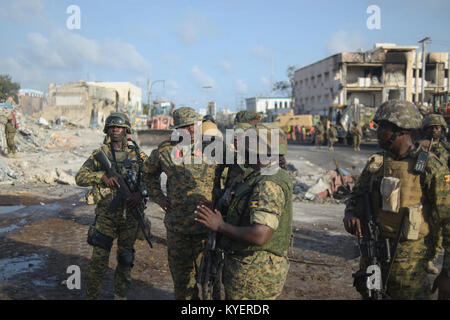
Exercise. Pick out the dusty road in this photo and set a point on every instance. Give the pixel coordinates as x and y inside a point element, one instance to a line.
<point>43,231</point>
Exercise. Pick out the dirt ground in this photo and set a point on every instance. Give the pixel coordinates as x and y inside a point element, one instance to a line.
<point>43,230</point>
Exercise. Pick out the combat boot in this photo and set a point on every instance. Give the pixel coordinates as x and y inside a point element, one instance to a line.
<point>431,268</point>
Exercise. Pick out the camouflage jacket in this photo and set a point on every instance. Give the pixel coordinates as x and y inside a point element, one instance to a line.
<point>90,173</point>
<point>435,183</point>
<point>10,129</point>
<point>265,200</point>
<point>356,131</point>
<point>442,150</point>
<point>188,183</point>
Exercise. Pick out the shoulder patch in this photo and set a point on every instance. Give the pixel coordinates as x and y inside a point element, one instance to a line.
<point>447,178</point>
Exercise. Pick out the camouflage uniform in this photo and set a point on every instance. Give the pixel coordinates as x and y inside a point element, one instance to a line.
<point>408,278</point>
<point>441,149</point>
<point>247,117</point>
<point>332,137</point>
<point>251,271</point>
<point>356,134</point>
<point>188,185</point>
<point>320,134</point>
<point>10,131</point>
<point>108,225</point>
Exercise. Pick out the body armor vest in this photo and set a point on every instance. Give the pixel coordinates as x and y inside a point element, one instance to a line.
<point>410,200</point>
<point>239,215</point>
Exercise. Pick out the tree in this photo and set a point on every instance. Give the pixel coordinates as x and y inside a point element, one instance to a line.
<point>145,108</point>
<point>286,86</point>
<point>8,88</point>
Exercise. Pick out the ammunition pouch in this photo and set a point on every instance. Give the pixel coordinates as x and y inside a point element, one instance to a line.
<point>97,239</point>
<point>126,258</point>
<point>390,194</point>
<point>413,223</point>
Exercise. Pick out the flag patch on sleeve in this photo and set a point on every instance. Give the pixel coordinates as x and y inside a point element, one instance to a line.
<point>447,178</point>
<point>253,204</point>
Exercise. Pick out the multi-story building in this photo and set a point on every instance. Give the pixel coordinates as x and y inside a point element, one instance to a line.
<point>386,72</point>
<point>264,104</point>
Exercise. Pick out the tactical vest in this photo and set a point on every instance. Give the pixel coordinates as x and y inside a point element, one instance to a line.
<point>99,192</point>
<point>280,238</point>
<point>411,199</point>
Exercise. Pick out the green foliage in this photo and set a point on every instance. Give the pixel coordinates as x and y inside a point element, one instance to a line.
<point>145,107</point>
<point>8,88</point>
<point>286,86</point>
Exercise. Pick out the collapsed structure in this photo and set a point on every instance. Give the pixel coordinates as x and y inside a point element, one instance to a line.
<point>373,77</point>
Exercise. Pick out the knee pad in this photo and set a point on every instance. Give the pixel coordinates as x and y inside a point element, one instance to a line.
<point>97,239</point>
<point>126,258</point>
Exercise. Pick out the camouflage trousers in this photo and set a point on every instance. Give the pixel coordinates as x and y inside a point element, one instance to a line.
<point>331,144</point>
<point>320,139</point>
<point>11,145</point>
<point>118,225</point>
<point>408,279</point>
<point>259,276</point>
<point>356,142</point>
<point>185,253</point>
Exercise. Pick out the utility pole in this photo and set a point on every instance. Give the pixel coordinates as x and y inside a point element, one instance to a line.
<point>271,76</point>
<point>423,41</point>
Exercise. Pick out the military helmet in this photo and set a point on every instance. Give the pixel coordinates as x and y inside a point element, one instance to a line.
<point>403,114</point>
<point>117,119</point>
<point>185,116</point>
<point>208,117</point>
<point>209,128</point>
<point>434,120</point>
<point>247,117</point>
<point>264,134</point>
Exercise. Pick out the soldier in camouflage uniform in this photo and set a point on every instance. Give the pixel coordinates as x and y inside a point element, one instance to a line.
<point>434,127</point>
<point>119,224</point>
<point>356,134</point>
<point>320,134</point>
<point>188,184</point>
<point>332,137</point>
<point>258,227</point>
<point>422,201</point>
<point>10,131</point>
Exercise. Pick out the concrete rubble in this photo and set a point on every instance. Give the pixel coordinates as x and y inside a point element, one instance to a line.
<point>327,187</point>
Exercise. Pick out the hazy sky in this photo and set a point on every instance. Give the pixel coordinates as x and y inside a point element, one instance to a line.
<point>224,44</point>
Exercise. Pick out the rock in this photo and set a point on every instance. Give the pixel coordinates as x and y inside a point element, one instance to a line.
<point>47,177</point>
<point>65,178</point>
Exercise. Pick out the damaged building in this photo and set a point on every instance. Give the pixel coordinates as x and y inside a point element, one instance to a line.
<point>386,72</point>
<point>90,103</point>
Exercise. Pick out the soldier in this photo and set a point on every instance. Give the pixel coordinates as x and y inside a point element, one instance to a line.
<point>320,133</point>
<point>434,127</point>
<point>406,205</point>
<point>332,137</point>
<point>120,223</point>
<point>257,231</point>
<point>10,131</point>
<point>356,134</point>
<point>188,184</point>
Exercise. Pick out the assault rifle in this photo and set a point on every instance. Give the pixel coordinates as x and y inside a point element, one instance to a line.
<point>209,274</point>
<point>376,249</point>
<point>127,187</point>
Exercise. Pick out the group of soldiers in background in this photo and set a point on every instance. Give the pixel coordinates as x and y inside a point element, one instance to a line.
<point>252,213</point>
<point>254,223</point>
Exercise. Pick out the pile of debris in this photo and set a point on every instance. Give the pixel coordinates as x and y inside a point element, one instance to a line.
<point>332,186</point>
